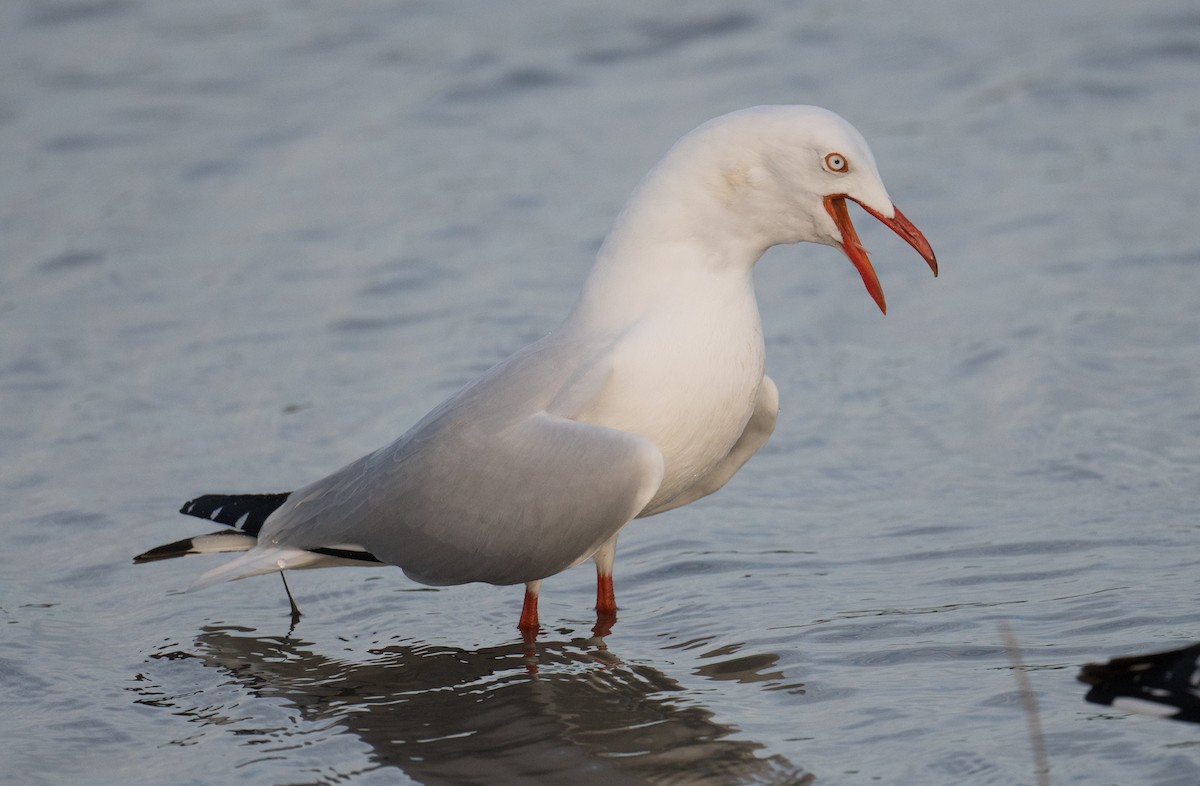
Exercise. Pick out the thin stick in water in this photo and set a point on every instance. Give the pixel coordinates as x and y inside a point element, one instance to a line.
<point>1037,739</point>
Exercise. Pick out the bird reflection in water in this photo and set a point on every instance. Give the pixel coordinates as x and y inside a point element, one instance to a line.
<point>455,716</point>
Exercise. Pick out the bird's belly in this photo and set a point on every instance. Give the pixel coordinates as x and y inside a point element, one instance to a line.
<point>694,439</point>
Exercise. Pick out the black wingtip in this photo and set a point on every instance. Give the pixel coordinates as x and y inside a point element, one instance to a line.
<point>171,550</point>
<point>245,512</point>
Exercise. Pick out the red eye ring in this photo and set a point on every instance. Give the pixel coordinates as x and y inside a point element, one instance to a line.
<point>836,162</point>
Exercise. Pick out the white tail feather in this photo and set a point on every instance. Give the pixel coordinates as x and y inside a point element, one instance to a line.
<point>220,542</point>
<point>257,562</point>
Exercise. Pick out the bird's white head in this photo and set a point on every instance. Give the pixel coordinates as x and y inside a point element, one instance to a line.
<point>771,175</point>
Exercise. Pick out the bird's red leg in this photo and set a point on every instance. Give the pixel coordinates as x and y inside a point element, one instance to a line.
<point>606,599</point>
<point>529,613</point>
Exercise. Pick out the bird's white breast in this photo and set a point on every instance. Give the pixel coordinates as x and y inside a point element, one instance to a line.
<point>686,377</point>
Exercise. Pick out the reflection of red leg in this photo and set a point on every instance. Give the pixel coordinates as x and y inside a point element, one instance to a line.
<point>529,615</point>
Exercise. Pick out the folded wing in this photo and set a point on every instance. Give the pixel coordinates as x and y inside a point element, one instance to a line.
<point>467,499</point>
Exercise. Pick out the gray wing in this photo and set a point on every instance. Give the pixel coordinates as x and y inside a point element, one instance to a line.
<point>469,495</point>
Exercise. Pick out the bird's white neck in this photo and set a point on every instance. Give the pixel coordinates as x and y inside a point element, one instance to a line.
<point>676,242</point>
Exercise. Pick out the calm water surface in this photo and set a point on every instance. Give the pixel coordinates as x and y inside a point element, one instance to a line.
<point>241,245</point>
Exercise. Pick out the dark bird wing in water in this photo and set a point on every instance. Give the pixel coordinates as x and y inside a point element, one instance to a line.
<point>1165,684</point>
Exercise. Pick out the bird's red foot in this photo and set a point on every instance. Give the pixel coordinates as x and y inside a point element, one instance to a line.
<point>528,624</point>
<point>606,599</point>
<point>606,605</point>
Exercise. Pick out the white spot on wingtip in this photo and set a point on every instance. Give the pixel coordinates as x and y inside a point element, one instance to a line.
<point>1144,707</point>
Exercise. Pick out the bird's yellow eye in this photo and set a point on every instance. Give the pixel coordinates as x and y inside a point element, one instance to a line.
<point>836,162</point>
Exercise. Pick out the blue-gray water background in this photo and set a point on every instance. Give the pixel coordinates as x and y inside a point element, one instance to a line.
<point>244,243</point>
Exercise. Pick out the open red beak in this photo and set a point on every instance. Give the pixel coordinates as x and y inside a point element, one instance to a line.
<point>836,205</point>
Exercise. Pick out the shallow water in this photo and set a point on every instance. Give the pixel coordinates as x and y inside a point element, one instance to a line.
<point>242,246</point>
